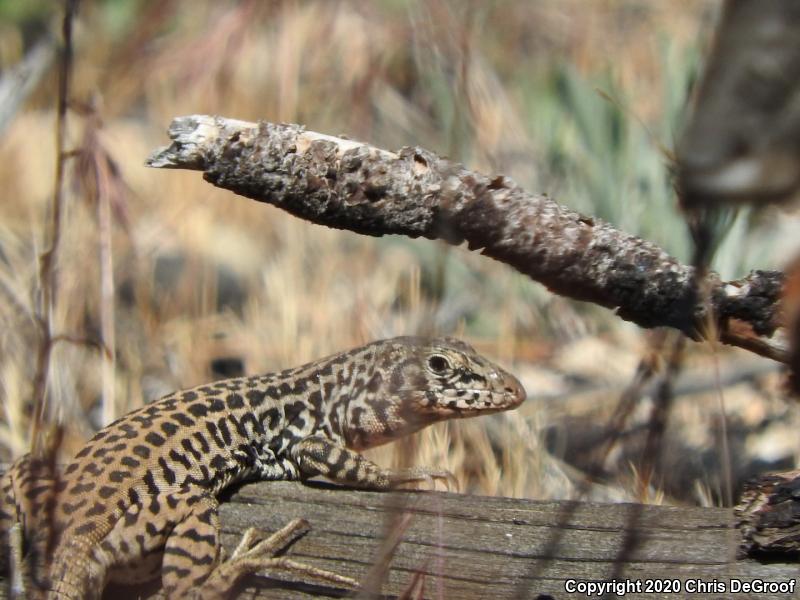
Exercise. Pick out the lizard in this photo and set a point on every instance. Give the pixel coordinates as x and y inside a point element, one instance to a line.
<point>139,500</point>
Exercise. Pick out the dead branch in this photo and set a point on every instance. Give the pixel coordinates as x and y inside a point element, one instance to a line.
<point>350,185</point>
<point>742,143</point>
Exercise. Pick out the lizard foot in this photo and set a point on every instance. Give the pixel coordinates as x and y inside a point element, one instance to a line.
<point>253,556</point>
<point>426,475</point>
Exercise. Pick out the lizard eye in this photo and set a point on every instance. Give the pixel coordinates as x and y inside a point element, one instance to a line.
<point>438,364</point>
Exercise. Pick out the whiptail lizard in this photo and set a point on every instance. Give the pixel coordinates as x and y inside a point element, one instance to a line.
<point>139,500</point>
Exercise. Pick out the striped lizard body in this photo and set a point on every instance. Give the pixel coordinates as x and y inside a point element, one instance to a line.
<point>139,500</point>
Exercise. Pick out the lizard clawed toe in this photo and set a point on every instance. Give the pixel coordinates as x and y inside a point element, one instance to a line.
<point>428,476</point>
<point>251,541</point>
<point>253,556</point>
<point>450,481</point>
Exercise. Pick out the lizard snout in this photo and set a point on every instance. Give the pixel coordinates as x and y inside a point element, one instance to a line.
<point>515,390</point>
<point>513,393</point>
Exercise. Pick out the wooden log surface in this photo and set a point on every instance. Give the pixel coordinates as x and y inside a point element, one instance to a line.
<point>462,546</point>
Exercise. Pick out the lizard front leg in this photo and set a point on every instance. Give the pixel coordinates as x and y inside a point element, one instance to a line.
<point>317,455</point>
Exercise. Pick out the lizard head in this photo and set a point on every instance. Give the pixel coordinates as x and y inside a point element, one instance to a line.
<point>415,382</point>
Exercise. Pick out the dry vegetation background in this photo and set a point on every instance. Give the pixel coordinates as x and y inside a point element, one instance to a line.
<point>579,99</point>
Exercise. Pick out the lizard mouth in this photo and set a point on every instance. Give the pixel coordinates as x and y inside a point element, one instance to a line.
<point>481,400</point>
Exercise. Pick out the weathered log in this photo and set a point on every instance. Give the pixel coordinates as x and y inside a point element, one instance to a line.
<point>769,515</point>
<point>350,185</point>
<point>471,547</point>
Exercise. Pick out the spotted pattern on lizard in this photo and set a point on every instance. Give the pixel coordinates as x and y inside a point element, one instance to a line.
<point>139,500</point>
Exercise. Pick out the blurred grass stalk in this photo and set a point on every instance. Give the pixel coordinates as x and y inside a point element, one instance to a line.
<point>101,185</point>
<point>106,300</point>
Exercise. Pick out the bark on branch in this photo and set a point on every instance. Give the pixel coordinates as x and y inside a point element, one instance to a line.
<point>351,185</point>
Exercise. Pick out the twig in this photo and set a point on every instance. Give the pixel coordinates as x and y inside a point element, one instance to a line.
<point>47,266</point>
<point>350,185</point>
<point>659,414</point>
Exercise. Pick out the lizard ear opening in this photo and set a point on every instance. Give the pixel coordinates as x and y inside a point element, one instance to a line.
<point>439,364</point>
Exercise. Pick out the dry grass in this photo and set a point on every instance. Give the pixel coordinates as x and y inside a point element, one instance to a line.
<point>199,274</point>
